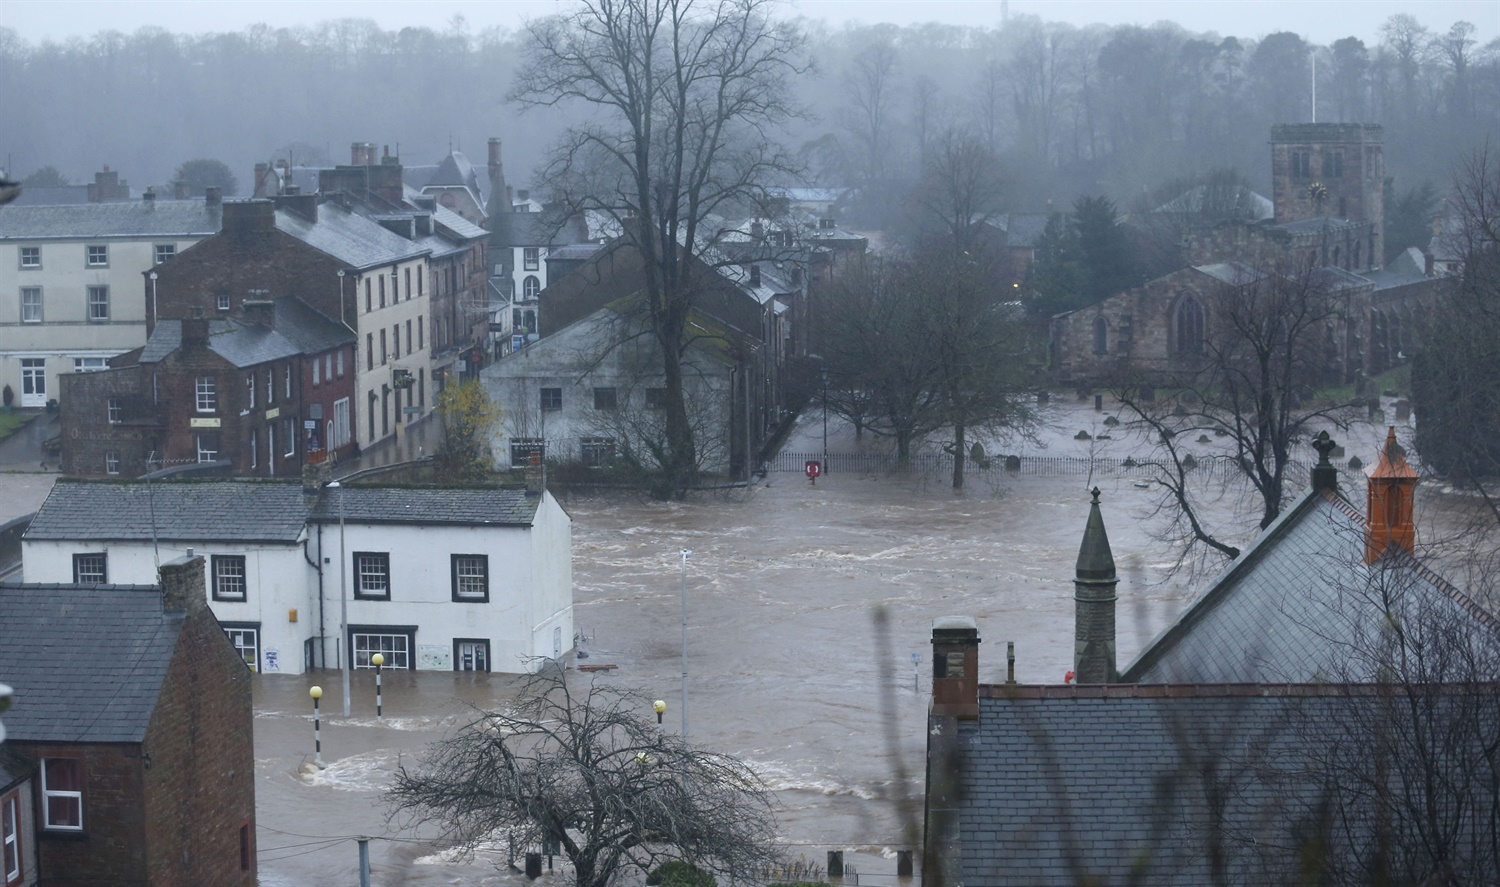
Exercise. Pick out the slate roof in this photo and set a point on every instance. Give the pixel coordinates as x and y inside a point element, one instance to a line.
<point>87,662</point>
<point>300,329</point>
<point>185,511</point>
<point>1232,273</point>
<point>135,218</point>
<point>400,505</point>
<point>307,328</point>
<point>1073,783</point>
<point>1314,225</point>
<point>1287,607</point>
<point>165,338</point>
<point>348,237</point>
<point>1023,229</point>
<point>455,170</point>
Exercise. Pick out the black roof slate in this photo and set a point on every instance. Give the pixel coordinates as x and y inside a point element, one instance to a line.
<point>135,218</point>
<point>386,505</point>
<point>87,662</point>
<point>185,511</point>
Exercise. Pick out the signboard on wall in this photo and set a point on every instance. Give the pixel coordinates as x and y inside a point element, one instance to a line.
<point>435,657</point>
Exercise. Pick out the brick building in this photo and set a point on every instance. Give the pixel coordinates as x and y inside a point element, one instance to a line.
<point>350,269</point>
<point>133,713</point>
<point>266,391</point>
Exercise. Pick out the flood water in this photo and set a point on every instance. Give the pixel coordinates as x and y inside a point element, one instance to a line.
<point>789,667</point>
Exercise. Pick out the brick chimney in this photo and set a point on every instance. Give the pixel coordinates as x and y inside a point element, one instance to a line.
<point>304,205</point>
<point>955,667</point>
<point>182,586</point>
<point>499,191</point>
<point>1094,603</point>
<point>150,196</point>
<point>362,154</point>
<point>180,190</point>
<point>246,218</point>
<point>212,196</point>
<point>1388,515</point>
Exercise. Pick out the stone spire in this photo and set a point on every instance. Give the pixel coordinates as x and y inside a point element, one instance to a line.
<point>1388,515</point>
<point>1094,604</point>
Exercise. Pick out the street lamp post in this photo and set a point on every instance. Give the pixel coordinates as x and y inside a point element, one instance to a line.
<point>825,418</point>
<point>378,660</point>
<point>686,553</point>
<point>344,655</point>
<point>660,707</point>
<point>316,693</point>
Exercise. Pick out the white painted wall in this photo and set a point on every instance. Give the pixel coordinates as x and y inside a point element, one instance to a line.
<point>65,331</point>
<point>531,585</point>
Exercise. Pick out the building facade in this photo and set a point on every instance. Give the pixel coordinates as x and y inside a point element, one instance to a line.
<point>72,287</point>
<point>433,578</point>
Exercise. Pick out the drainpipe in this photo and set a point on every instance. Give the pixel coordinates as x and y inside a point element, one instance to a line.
<point>322,638</point>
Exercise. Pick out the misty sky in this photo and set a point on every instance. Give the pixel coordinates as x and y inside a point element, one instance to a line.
<point>1321,21</point>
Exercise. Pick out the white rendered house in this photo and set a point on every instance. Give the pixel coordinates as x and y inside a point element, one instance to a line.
<point>434,578</point>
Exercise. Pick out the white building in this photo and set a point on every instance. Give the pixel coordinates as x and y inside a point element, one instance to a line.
<point>436,578</point>
<point>593,392</point>
<point>72,286</point>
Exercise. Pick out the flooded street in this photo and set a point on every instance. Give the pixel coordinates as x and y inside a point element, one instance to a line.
<point>788,665</point>
<point>805,607</point>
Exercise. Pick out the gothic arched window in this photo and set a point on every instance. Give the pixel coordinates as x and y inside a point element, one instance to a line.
<point>1187,325</point>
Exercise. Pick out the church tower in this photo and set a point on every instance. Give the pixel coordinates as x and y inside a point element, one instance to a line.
<point>1094,604</point>
<point>1336,171</point>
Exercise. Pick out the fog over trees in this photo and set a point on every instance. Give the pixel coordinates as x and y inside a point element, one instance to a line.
<point>1080,111</point>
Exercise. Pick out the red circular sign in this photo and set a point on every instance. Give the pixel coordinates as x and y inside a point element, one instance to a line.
<point>814,468</point>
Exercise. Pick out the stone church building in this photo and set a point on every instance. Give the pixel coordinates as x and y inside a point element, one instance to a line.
<point>1326,234</point>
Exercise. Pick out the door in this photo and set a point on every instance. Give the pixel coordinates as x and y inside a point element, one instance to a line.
<point>33,382</point>
<point>473,656</point>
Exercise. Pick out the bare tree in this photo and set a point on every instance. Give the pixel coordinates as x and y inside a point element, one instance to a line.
<point>684,97</point>
<point>1255,358</point>
<point>585,770</point>
<point>872,100</point>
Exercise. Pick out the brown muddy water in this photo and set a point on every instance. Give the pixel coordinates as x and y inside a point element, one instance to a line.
<point>788,666</point>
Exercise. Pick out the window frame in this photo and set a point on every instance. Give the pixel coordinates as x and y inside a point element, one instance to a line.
<point>80,367</point>
<point>209,453</point>
<point>87,558</point>
<point>112,462</point>
<point>163,252</point>
<point>531,258</point>
<point>221,301</point>
<point>98,303</point>
<point>406,632</point>
<point>606,398</point>
<point>531,287</point>
<point>221,568</point>
<point>656,398</point>
<point>550,399</point>
<point>596,451</point>
<point>205,394</point>
<point>36,253</point>
<point>11,873</point>
<point>457,564</point>
<point>37,315</point>
<point>359,588</point>
<point>50,794</point>
<point>524,446</point>
<point>244,628</point>
<point>114,410</point>
<point>92,259</point>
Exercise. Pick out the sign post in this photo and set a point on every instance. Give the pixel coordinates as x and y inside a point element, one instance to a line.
<point>813,468</point>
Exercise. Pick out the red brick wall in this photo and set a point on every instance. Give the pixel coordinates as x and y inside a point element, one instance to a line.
<point>200,788</point>
<point>110,852</point>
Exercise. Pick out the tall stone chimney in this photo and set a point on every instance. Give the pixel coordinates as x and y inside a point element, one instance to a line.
<point>182,585</point>
<point>955,667</point>
<point>1094,604</point>
<point>499,191</point>
<point>1389,508</point>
